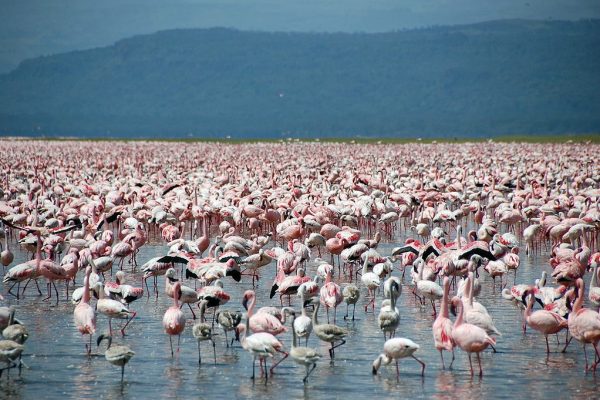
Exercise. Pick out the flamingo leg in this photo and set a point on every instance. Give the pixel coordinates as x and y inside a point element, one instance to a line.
<point>442,356</point>
<point>423,364</point>
<point>309,372</point>
<point>193,314</point>
<point>171,343</point>
<point>479,362</point>
<point>55,291</point>
<point>567,343</point>
<point>470,364</point>
<point>147,288</point>
<point>199,355</point>
<point>214,350</point>
<point>285,355</point>
<point>128,321</point>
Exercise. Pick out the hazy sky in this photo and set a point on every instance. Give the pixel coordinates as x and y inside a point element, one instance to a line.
<point>30,28</point>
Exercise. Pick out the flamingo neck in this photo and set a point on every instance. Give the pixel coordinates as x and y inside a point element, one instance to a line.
<point>38,252</point>
<point>328,278</point>
<point>314,316</point>
<point>364,267</point>
<point>444,305</point>
<point>393,299</point>
<point>459,319</point>
<point>251,308</point>
<point>470,284</point>
<point>86,289</point>
<point>421,268</point>
<point>527,311</point>
<point>243,329</point>
<point>176,293</point>
<point>294,340</point>
<point>579,302</point>
<point>202,311</point>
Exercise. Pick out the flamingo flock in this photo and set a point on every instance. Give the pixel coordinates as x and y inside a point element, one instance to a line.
<point>225,217</point>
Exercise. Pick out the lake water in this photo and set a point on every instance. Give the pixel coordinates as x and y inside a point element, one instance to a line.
<point>59,367</point>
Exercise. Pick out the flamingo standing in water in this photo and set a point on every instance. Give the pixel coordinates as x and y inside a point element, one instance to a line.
<point>584,325</point>
<point>203,332</point>
<point>112,308</point>
<point>470,338</point>
<point>543,321</point>
<point>261,345</point>
<point>371,281</point>
<point>303,355</point>
<point>331,295</point>
<point>261,321</point>
<point>395,349</point>
<point>442,326</point>
<point>84,314</point>
<point>174,320</point>
<point>329,333</point>
<point>116,355</point>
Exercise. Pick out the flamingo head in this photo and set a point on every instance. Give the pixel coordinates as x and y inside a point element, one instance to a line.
<point>248,296</point>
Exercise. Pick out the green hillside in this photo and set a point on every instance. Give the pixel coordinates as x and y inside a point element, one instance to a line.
<point>492,78</point>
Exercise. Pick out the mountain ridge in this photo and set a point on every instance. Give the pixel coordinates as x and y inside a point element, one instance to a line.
<point>499,77</point>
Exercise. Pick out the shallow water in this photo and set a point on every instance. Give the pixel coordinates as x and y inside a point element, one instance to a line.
<point>59,368</point>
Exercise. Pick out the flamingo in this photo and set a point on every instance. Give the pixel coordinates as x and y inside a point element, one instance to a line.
<point>116,355</point>
<point>9,352</point>
<point>584,325</point>
<point>371,281</point>
<point>303,355</point>
<point>389,316</point>
<point>470,338</point>
<point>112,309</point>
<point>261,345</point>
<point>229,320</point>
<point>328,333</point>
<point>351,295</point>
<point>428,289</point>
<point>442,326</point>
<point>543,321</point>
<point>84,314</point>
<point>330,295</point>
<point>203,332</point>
<point>174,320</point>
<point>261,321</point>
<point>395,349</point>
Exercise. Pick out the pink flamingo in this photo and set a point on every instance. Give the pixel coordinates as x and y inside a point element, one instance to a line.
<point>584,325</point>
<point>543,321</point>
<point>261,345</point>
<point>84,314</point>
<point>261,321</point>
<point>470,338</point>
<point>442,326</point>
<point>330,295</point>
<point>174,320</point>
<point>335,246</point>
<point>290,285</point>
<point>124,249</point>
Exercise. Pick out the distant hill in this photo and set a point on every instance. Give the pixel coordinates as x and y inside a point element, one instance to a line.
<point>498,77</point>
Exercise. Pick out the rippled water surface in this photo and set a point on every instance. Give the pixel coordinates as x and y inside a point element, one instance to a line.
<point>59,368</point>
